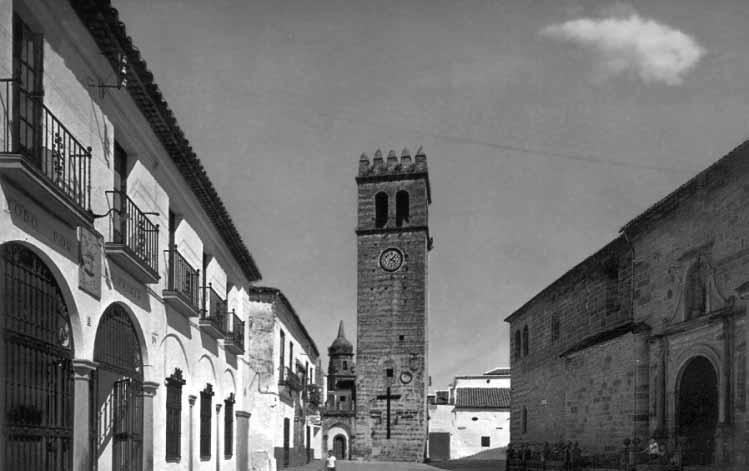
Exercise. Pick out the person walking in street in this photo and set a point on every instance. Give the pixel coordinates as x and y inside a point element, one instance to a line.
<point>330,461</point>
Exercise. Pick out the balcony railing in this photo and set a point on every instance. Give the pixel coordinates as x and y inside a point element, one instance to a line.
<point>183,289</point>
<point>33,134</point>
<point>288,378</point>
<point>133,233</point>
<point>213,317</point>
<point>313,394</point>
<point>234,340</point>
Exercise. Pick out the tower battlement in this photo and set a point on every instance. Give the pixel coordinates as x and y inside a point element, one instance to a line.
<point>392,164</point>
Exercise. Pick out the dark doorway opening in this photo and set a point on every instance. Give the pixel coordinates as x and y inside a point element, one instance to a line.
<point>439,446</point>
<point>339,447</point>
<point>117,393</point>
<point>698,411</point>
<point>286,438</point>
<point>36,371</point>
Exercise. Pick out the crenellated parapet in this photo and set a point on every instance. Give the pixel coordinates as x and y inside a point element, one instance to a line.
<point>392,164</point>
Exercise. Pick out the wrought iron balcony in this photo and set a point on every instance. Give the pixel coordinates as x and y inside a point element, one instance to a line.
<point>288,378</point>
<point>313,394</point>
<point>133,238</point>
<point>214,314</point>
<point>39,155</point>
<point>182,292</point>
<point>234,341</point>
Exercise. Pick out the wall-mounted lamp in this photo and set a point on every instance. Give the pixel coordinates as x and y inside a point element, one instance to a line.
<point>122,71</point>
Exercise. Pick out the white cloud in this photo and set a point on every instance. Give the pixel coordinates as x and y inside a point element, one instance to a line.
<point>633,46</point>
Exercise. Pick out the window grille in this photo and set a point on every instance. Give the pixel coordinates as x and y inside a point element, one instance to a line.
<point>174,385</point>
<point>229,426</point>
<point>206,396</point>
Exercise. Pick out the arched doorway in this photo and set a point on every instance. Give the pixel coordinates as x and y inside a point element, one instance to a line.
<point>698,411</point>
<point>339,447</point>
<point>36,371</point>
<point>118,393</point>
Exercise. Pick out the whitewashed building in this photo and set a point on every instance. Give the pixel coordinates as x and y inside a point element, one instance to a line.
<point>286,389</point>
<point>472,416</point>
<point>125,289</point>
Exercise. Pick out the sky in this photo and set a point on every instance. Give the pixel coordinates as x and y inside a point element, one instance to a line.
<point>547,126</point>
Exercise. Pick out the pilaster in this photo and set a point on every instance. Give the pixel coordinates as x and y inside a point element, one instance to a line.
<point>82,370</point>
<point>149,391</point>
<point>243,431</point>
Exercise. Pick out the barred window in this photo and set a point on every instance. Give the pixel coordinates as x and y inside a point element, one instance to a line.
<point>485,441</point>
<point>229,426</point>
<point>174,385</point>
<point>206,396</point>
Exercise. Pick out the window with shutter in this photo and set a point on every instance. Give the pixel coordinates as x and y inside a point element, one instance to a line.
<point>174,385</point>
<point>229,426</point>
<point>206,396</point>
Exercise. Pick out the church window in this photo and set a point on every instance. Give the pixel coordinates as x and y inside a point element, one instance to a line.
<point>696,291</point>
<point>402,208</point>
<point>174,385</point>
<point>554,328</point>
<point>517,344</point>
<point>381,209</point>
<point>345,365</point>
<point>229,426</point>
<point>401,337</point>
<point>389,372</point>
<point>524,422</point>
<point>206,396</point>
<point>525,340</point>
<point>485,441</point>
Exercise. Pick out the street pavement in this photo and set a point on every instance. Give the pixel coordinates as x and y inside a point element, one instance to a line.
<point>455,465</point>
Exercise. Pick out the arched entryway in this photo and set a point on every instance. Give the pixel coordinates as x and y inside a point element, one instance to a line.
<point>117,392</point>
<point>36,373</point>
<point>697,413</point>
<point>339,447</point>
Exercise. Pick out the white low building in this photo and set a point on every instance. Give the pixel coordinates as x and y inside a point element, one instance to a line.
<point>471,417</point>
<point>285,391</point>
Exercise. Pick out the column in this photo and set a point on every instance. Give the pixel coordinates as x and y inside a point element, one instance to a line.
<point>82,370</point>
<point>149,390</point>
<point>191,399</point>
<point>242,439</point>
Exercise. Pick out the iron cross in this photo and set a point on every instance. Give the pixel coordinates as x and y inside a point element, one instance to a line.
<point>387,397</point>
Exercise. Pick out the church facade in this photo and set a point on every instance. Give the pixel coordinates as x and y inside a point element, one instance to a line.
<point>646,337</point>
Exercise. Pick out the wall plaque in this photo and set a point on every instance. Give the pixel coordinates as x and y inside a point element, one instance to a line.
<point>89,268</point>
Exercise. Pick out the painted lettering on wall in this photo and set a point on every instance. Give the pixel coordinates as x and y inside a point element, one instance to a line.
<point>36,221</point>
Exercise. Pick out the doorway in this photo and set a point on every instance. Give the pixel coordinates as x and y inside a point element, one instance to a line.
<point>117,392</point>
<point>697,414</point>
<point>36,370</point>
<point>339,447</point>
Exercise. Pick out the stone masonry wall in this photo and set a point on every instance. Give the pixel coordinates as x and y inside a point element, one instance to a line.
<point>587,394</point>
<point>391,333</point>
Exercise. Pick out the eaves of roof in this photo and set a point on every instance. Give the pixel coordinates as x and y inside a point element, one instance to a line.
<point>102,21</point>
<point>269,294</point>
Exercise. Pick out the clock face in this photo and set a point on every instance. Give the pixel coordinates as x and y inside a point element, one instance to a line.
<point>391,259</point>
<point>406,377</point>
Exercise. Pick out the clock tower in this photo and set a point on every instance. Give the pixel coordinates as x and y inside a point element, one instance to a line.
<point>391,351</point>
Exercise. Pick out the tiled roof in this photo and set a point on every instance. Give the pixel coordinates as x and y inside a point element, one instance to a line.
<point>498,372</point>
<point>108,31</point>
<point>482,398</point>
